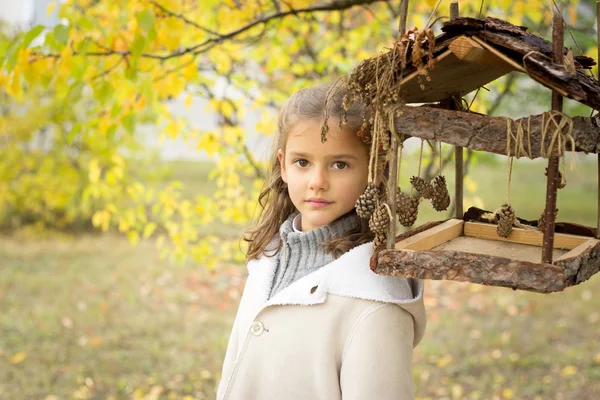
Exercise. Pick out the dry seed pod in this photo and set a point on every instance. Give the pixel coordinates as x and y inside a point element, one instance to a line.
<point>505,217</point>
<point>440,198</point>
<point>380,220</point>
<point>424,188</point>
<point>365,205</point>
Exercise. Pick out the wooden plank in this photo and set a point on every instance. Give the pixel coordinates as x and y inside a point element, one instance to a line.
<point>512,250</point>
<point>485,133</point>
<point>581,262</point>
<point>577,251</point>
<point>524,236</point>
<point>433,237</point>
<point>449,76</point>
<point>468,50</point>
<point>468,267</point>
<point>516,66</point>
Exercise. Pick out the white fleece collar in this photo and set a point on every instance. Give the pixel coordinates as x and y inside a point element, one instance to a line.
<point>349,276</point>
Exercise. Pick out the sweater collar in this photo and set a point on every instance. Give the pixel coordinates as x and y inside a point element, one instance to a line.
<point>290,232</point>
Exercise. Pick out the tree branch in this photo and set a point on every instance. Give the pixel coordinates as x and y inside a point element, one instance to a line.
<point>209,43</point>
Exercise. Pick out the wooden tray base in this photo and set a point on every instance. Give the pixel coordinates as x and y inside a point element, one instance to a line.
<point>473,252</point>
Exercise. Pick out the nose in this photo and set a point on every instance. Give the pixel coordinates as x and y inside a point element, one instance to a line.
<point>319,180</point>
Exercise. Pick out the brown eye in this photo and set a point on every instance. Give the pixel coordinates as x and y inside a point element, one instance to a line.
<point>340,165</point>
<point>301,163</point>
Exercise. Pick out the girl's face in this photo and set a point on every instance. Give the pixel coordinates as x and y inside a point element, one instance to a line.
<point>324,179</point>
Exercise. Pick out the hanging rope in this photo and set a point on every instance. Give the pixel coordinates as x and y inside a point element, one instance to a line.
<point>440,159</point>
<point>510,163</point>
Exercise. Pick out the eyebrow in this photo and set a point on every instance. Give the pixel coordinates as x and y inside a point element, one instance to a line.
<point>335,156</point>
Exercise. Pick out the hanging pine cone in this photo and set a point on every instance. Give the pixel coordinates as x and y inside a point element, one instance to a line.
<point>380,219</point>
<point>505,217</point>
<point>407,208</point>
<point>541,225</point>
<point>424,188</point>
<point>365,205</point>
<point>440,198</point>
<point>380,240</point>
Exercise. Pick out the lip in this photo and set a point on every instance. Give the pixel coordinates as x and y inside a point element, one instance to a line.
<point>317,202</point>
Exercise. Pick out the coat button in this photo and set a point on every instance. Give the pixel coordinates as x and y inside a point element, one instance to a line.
<point>257,328</point>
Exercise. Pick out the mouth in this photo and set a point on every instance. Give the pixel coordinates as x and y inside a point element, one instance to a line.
<point>318,202</point>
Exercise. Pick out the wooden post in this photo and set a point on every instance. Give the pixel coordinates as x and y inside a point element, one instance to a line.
<point>393,161</point>
<point>558,33</point>
<point>458,150</point>
<point>598,156</point>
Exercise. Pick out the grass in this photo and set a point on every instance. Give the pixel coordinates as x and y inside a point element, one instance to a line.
<point>93,318</point>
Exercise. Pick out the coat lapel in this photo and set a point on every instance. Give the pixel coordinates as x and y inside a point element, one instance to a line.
<point>349,275</point>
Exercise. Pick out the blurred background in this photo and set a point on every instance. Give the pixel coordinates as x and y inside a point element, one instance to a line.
<point>134,139</point>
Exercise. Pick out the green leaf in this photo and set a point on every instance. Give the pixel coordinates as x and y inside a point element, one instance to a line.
<point>129,122</point>
<point>103,92</point>
<point>61,34</point>
<point>31,35</point>
<point>11,54</point>
<point>146,20</point>
<point>138,45</point>
<point>74,92</point>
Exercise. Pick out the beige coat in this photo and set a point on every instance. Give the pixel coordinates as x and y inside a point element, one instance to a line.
<point>341,332</point>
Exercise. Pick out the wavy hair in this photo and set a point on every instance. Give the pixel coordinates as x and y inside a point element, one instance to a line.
<point>274,201</point>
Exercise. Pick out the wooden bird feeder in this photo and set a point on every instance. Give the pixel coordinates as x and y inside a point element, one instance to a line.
<point>469,54</point>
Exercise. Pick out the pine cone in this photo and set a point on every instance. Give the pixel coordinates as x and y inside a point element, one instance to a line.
<point>380,220</point>
<point>424,188</point>
<point>407,208</point>
<point>541,225</point>
<point>380,240</point>
<point>440,198</point>
<point>505,217</point>
<point>365,205</point>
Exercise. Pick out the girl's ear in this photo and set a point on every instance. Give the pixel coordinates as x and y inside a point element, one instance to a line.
<point>281,158</point>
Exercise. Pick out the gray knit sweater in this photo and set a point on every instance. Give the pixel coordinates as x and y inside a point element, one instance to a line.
<point>302,253</point>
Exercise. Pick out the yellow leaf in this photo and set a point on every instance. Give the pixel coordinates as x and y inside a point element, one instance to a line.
<point>134,237</point>
<point>445,360</point>
<point>507,393</point>
<point>188,100</point>
<point>209,143</point>
<point>149,229</point>
<point>50,8</point>
<point>14,87</point>
<point>173,129</point>
<point>569,370</point>
<point>17,358</point>
<point>94,171</point>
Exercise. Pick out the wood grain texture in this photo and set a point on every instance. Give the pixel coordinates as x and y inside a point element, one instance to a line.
<point>475,268</point>
<point>485,133</point>
<point>524,236</point>
<point>435,236</point>
<point>581,263</point>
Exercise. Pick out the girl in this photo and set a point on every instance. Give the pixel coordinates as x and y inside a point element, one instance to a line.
<point>314,321</point>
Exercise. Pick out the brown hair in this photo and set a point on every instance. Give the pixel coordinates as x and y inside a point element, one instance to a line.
<point>274,200</point>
